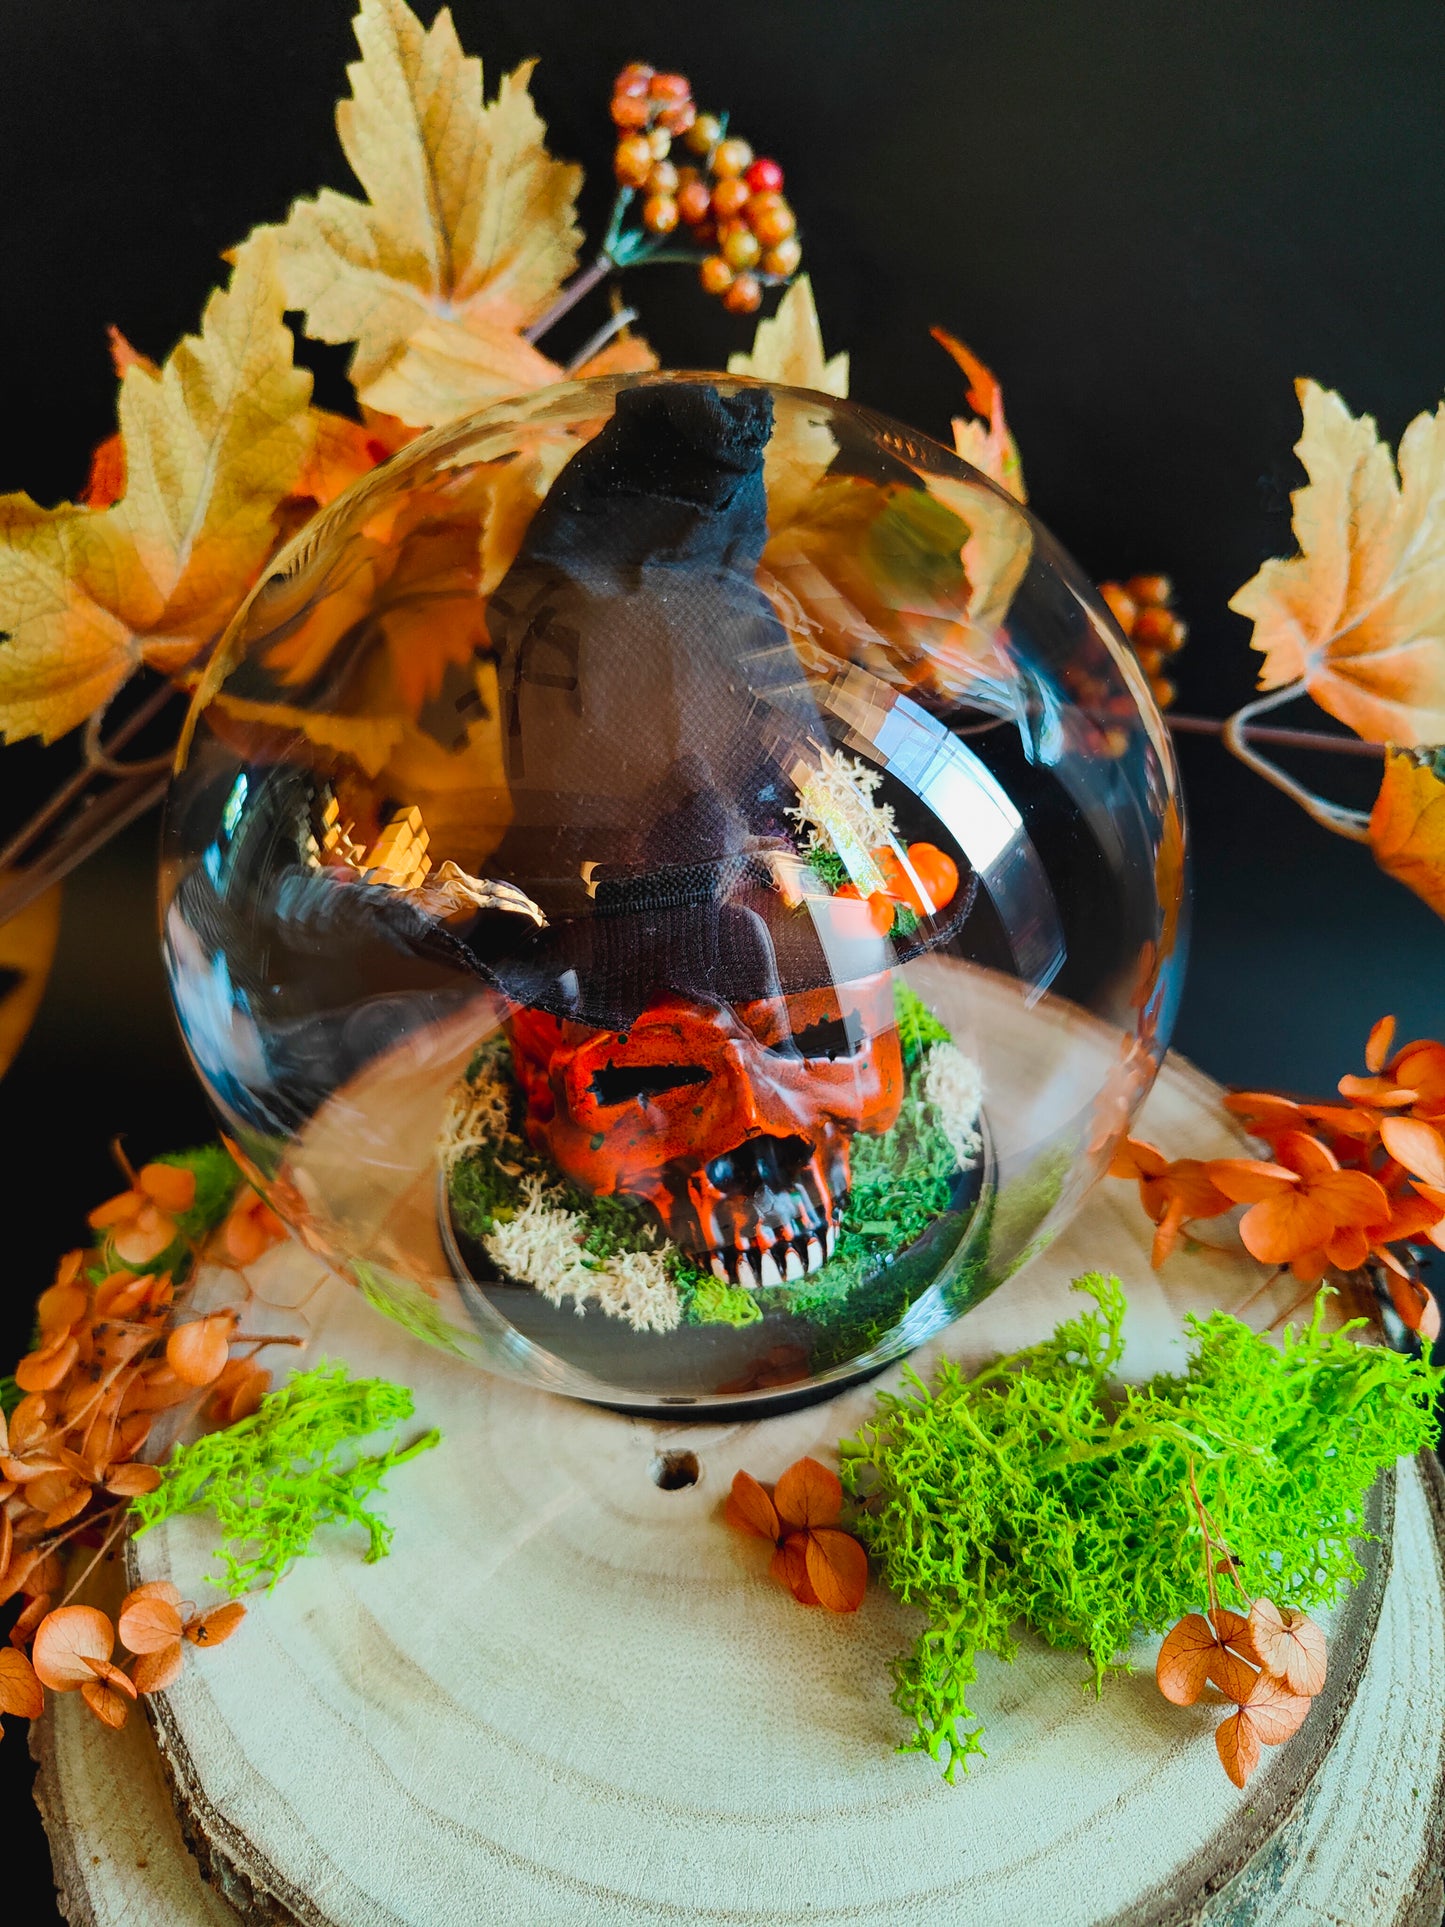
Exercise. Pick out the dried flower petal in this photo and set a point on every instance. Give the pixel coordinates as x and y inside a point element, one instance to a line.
<point>109,1705</point>
<point>154,1672</point>
<point>126,1481</point>
<point>1290,1646</point>
<point>42,1371</point>
<point>1413,1143</point>
<point>837,1568</point>
<point>21,1694</point>
<point>749,1508</point>
<point>23,1631</point>
<point>808,1494</point>
<point>789,1565</point>
<point>1238,1745</point>
<point>66,1641</point>
<point>1275,1713</point>
<point>149,1620</point>
<point>197,1352</point>
<point>215,1627</point>
<point>1377,1046</point>
<point>170,1186</point>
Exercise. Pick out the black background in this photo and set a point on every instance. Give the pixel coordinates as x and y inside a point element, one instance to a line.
<point>1148,219</point>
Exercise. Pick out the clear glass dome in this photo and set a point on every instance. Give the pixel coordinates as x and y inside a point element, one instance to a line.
<point>675,884</point>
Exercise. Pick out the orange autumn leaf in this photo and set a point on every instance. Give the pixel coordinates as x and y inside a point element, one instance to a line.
<point>989,448</point>
<point>215,1627</point>
<point>749,1508</point>
<point>1407,827</point>
<point>1290,1646</point>
<point>197,1352</point>
<point>837,1569</point>
<point>21,1694</point>
<point>808,1494</point>
<point>150,1618</point>
<point>1355,616</point>
<point>154,1672</point>
<point>66,1641</point>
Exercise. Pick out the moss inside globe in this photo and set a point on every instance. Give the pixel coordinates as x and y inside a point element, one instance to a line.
<point>675,886</point>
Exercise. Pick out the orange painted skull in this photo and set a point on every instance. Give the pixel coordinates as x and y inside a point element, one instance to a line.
<point>734,1124</point>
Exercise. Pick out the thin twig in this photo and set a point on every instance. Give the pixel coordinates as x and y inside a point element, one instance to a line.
<point>577,289</point>
<point>596,342</point>
<point>116,1530</point>
<point>1354,824</point>
<point>1282,738</point>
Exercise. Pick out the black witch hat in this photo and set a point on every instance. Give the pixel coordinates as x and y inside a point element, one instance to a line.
<point>654,715</point>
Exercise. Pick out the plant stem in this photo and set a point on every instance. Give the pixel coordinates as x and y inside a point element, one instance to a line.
<point>577,289</point>
<point>1283,738</point>
<point>1354,824</point>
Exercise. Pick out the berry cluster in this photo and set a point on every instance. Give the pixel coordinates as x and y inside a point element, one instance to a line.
<point>1141,609</point>
<point>725,199</point>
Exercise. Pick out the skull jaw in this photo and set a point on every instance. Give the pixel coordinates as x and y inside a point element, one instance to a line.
<point>764,1212</point>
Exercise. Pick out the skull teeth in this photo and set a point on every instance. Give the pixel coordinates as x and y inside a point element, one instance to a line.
<point>787,1262</point>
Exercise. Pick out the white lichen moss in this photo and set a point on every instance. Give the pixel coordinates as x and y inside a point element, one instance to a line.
<point>953,1088</point>
<point>837,809</point>
<point>476,1116</point>
<point>541,1246</point>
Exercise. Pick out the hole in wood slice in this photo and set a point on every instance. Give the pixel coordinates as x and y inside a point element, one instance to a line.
<point>674,1470</point>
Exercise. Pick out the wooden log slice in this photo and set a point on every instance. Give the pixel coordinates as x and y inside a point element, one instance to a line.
<point>572,1696</point>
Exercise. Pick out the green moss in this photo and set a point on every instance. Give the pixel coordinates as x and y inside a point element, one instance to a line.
<point>1034,1494</point>
<point>917,1025</point>
<point>273,1479</point>
<point>10,1394</point>
<point>712,1301</point>
<point>829,867</point>
<point>407,1305</point>
<point>482,1193</point>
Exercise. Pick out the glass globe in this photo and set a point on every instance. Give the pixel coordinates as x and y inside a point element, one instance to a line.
<point>674,885</point>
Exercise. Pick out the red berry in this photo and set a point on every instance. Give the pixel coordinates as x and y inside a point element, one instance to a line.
<point>635,78</point>
<point>633,161</point>
<point>729,198</point>
<point>764,177</point>
<point>770,218</point>
<point>739,246</point>
<point>715,275</point>
<point>745,296</point>
<point>732,157</point>
<point>659,214</point>
<point>677,118</point>
<point>630,111</point>
<point>704,134</point>
<point>693,203</point>
<point>783,259</point>
<point>670,87</point>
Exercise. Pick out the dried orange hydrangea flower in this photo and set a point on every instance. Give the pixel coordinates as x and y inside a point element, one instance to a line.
<point>818,1563</point>
<point>1345,1184</point>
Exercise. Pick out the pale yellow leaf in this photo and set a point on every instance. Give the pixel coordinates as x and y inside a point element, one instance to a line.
<point>788,347</point>
<point>449,368</point>
<point>468,218</point>
<point>213,443</point>
<point>625,354</point>
<point>987,443</point>
<point>1358,616</point>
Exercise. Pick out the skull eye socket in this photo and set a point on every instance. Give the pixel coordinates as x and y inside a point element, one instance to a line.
<point>829,1037</point>
<point>635,1083</point>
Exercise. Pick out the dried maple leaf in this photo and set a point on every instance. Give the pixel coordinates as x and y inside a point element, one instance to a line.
<point>213,444</point>
<point>21,1694</point>
<point>987,445</point>
<point>1290,1646</point>
<point>1197,1652</point>
<point>1407,827</point>
<point>1356,616</point>
<point>66,1641</point>
<point>788,347</point>
<point>468,230</point>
